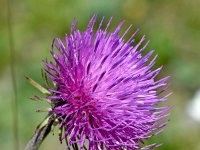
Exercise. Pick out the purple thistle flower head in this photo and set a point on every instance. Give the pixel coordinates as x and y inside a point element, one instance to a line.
<point>106,93</point>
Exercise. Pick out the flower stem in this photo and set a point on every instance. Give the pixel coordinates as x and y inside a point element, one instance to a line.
<point>39,136</point>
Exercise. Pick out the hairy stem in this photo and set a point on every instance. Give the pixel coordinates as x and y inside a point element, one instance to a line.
<point>38,137</point>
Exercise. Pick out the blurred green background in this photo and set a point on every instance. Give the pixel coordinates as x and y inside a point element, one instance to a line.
<point>173,26</point>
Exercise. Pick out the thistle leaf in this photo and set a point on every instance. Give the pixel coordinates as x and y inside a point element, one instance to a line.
<point>37,86</point>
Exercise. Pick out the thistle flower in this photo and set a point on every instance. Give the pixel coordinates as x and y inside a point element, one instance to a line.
<point>105,94</point>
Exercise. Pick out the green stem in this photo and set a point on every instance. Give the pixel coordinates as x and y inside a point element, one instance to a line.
<point>12,66</point>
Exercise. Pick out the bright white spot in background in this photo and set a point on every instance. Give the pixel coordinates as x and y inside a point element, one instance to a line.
<point>194,107</point>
